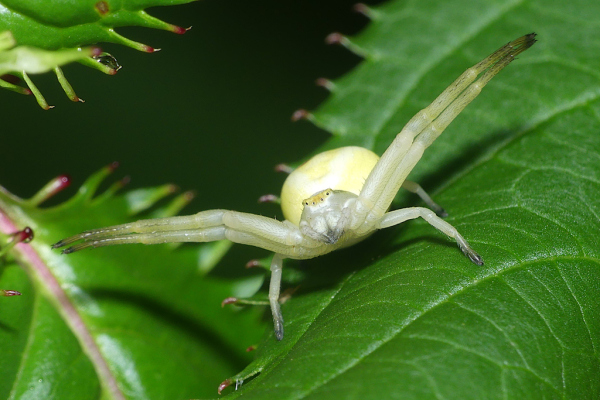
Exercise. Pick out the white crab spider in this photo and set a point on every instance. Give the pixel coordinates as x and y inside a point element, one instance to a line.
<point>334,200</point>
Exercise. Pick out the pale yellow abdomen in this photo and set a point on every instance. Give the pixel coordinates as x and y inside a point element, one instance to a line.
<point>345,168</point>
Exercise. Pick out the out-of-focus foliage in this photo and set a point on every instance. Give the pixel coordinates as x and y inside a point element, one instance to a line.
<point>51,33</point>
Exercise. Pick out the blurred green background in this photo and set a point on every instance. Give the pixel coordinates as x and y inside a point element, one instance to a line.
<point>210,112</point>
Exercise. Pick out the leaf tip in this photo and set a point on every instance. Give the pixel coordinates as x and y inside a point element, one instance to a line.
<point>283,168</point>
<point>253,264</point>
<point>23,236</point>
<point>301,114</point>
<point>102,8</point>
<point>335,38</point>
<point>179,30</point>
<point>53,187</point>
<point>363,9</point>
<point>7,293</point>
<point>112,166</point>
<point>269,198</point>
<point>325,83</point>
<point>229,300</point>
<point>223,385</point>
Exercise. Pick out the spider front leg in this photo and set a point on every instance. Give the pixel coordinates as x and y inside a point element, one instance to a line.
<point>390,173</point>
<point>283,238</point>
<point>406,150</point>
<point>398,216</point>
<point>205,226</point>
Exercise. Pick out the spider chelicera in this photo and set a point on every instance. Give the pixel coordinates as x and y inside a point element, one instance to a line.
<point>335,199</point>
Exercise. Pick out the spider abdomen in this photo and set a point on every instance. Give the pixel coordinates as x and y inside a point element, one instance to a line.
<point>343,169</point>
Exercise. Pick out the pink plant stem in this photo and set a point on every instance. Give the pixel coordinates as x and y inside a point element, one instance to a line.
<point>43,276</point>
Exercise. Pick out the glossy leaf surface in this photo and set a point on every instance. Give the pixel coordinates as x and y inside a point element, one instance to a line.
<point>403,315</point>
<point>59,24</point>
<point>113,325</point>
<point>408,316</point>
<point>49,33</point>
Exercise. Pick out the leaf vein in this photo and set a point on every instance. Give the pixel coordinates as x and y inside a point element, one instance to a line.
<point>459,289</point>
<point>502,331</point>
<point>589,331</point>
<point>26,352</point>
<point>481,23</point>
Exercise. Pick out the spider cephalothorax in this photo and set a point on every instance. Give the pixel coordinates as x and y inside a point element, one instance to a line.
<point>335,199</point>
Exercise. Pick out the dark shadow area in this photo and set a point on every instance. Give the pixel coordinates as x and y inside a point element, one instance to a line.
<point>174,318</point>
<point>8,328</point>
<point>191,114</point>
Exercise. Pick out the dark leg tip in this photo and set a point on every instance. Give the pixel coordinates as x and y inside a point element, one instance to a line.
<point>441,213</point>
<point>531,39</point>
<point>279,330</point>
<point>475,258</point>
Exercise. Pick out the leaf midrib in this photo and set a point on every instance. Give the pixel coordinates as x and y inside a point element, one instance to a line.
<point>42,275</point>
<point>534,123</point>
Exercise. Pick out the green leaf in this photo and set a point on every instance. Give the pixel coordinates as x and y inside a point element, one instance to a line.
<point>59,24</point>
<point>404,314</point>
<point>24,60</point>
<point>49,30</point>
<point>113,325</point>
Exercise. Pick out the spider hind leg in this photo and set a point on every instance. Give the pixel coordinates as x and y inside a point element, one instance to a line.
<point>415,188</point>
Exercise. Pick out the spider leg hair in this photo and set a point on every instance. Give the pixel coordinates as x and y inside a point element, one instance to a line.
<point>398,216</point>
<point>399,159</point>
<point>205,226</point>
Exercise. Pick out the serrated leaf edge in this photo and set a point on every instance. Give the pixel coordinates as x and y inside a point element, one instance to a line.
<point>44,279</point>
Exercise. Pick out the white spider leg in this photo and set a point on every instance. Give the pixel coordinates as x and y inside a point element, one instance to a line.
<point>414,187</point>
<point>332,236</point>
<point>274,289</point>
<point>434,130</point>
<point>256,230</point>
<point>203,219</point>
<point>398,216</point>
<point>306,248</point>
<point>309,232</point>
<point>386,178</point>
<point>197,235</point>
<point>342,223</point>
